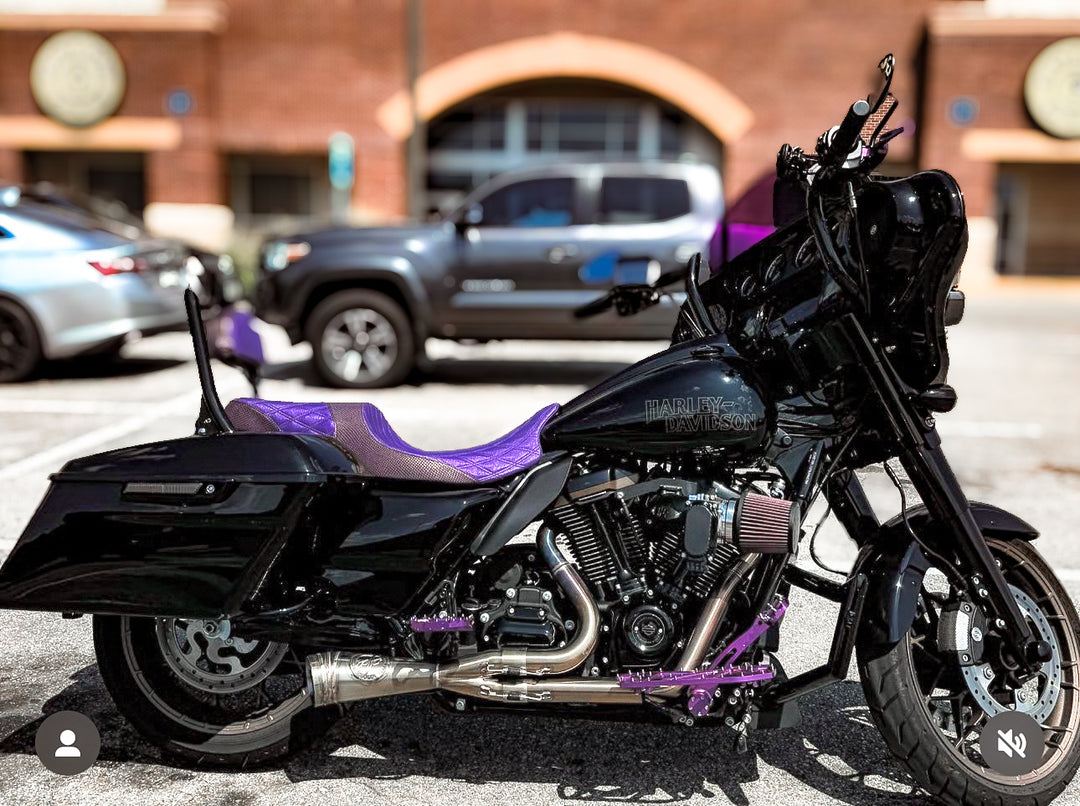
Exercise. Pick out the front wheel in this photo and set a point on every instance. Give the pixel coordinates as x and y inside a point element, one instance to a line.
<point>931,699</point>
<point>204,695</point>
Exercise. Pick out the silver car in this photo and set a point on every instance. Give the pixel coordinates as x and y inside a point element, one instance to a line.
<point>72,283</point>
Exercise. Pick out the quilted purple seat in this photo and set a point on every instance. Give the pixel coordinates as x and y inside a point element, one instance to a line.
<point>364,431</point>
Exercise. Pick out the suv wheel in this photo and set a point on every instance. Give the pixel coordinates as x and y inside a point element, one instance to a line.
<point>20,347</point>
<point>361,340</point>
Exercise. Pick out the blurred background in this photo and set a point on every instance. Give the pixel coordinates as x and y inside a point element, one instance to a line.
<point>216,122</point>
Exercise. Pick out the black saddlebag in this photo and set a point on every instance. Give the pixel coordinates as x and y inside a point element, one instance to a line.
<point>185,527</point>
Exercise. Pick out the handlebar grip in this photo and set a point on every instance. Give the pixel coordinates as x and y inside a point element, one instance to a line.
<point>846,136</point>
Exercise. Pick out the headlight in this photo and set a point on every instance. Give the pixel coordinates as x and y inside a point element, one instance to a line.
<point>281,254</point>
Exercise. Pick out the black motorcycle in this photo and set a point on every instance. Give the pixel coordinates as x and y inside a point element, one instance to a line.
<point>290,556</point>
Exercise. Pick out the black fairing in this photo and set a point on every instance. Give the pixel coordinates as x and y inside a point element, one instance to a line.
<point>914,236</point>
<point>696,395</point>
<point>777,296</point>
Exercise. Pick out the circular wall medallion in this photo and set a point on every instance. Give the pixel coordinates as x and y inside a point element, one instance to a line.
<point>77,78</point>
<point>1052,88</point>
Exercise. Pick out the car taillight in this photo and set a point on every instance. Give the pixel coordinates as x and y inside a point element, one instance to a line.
<point>119,265</point>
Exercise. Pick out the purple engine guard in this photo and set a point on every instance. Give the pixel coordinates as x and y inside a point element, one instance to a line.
<point>722,671</point>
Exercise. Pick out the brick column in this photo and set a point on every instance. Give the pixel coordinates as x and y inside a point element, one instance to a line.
<point>379,191</point>
<point>11,166</point>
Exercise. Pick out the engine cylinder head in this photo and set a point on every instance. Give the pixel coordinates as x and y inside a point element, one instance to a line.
<point>766,525</point>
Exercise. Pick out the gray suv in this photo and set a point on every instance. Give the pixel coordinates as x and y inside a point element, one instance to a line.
<point>512,262</point>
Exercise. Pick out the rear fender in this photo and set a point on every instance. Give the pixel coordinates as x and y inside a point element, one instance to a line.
<point>895,565</point>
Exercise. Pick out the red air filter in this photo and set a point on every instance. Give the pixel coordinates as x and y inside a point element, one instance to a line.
<point>766,525</point>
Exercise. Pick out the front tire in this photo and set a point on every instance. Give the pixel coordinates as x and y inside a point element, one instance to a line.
<point>911,687</point>
<point>361,339</point>
<point>204,698</point>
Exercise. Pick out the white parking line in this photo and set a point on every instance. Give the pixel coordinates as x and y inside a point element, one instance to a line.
<point>969,428</point>
<point>86,443</point>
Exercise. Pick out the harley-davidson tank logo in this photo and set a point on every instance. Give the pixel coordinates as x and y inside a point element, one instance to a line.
<point>682,415</point>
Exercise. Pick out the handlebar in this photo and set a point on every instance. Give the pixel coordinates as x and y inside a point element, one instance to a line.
<point>846,136</point>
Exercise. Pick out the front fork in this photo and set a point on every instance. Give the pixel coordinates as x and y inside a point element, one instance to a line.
<point>937,485</point>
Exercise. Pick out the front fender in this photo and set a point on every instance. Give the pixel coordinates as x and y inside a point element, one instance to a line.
<point>895,565</point>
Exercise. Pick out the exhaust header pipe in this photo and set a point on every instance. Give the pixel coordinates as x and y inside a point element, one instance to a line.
<point>337,677</point>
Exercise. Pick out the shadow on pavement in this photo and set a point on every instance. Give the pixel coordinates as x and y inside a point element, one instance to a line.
<point>96,366</point>
<point>466,371</point>
<point>88,696</point>
<point>836,750</point>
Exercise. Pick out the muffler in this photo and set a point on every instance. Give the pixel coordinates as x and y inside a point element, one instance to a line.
<point>336,677</point>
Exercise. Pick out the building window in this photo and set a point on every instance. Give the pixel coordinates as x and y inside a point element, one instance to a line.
<point>108,176</point>
<point>272,190</point>
<point>1037,207</point>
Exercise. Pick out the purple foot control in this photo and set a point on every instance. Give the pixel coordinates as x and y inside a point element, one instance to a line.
<point>722,671</point>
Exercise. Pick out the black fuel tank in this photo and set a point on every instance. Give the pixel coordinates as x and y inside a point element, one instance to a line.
<point>698,394</point>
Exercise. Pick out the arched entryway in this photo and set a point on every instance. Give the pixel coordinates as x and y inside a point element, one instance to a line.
<point>555,120</point>
<point>563,94</point>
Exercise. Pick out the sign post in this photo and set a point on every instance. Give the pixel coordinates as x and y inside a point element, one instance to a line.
<point>342,175</point>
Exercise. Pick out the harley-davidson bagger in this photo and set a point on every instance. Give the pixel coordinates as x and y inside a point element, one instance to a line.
<point>290,556</point>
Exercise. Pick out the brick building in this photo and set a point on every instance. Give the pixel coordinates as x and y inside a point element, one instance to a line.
<point>226,108</point>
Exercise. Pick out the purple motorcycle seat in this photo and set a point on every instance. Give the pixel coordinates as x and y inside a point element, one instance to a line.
<point>363,430</point>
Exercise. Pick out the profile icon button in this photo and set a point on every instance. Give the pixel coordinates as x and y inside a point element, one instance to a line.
<point>67,743</point>
<point>67,748</point>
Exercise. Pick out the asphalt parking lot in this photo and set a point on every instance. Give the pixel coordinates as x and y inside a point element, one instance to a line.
<point>1014,440</point>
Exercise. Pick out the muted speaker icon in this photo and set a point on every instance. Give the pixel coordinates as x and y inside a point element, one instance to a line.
<point>1008,744</point>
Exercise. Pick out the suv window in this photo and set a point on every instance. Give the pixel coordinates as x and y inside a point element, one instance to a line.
<point>531,203</point>
<point>642,199</point>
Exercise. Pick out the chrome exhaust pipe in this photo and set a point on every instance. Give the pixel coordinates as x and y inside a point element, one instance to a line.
<point>335,677</point>
<point>596,691</point>
<point>709,622</point>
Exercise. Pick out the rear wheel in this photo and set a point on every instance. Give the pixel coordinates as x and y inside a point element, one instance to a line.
<point>204,695</point>
<point>20,346</point>
<point>931,701</point>
<point>361,340</point>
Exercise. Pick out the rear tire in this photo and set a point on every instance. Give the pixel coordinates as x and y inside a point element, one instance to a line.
<point>361,339</point>
<point>20,345</point>
<point>206,714</point>
<point>900,699</point>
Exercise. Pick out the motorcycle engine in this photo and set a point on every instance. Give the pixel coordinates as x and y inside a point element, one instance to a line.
<point>653,551</point>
